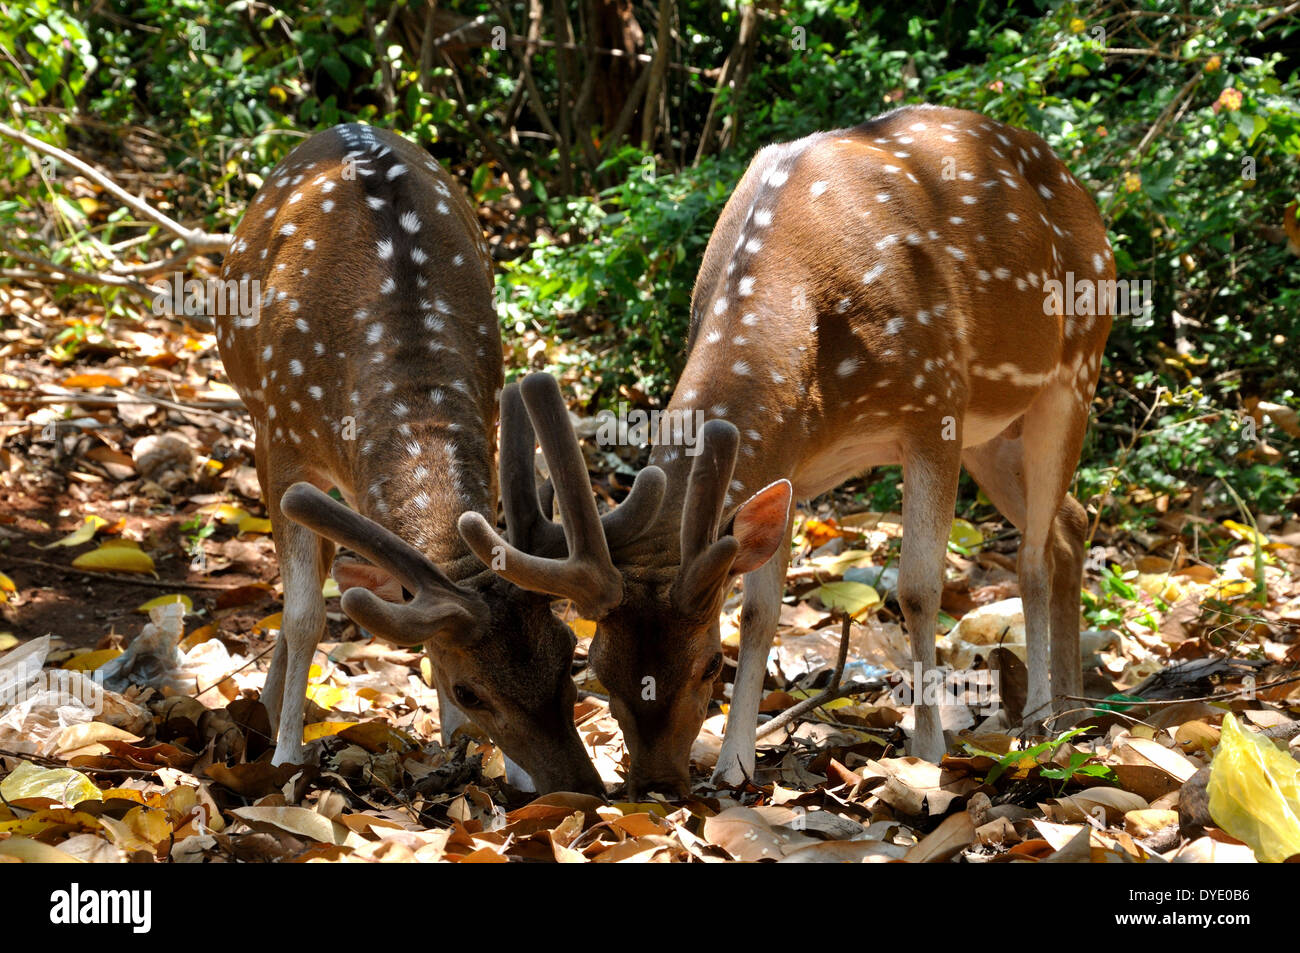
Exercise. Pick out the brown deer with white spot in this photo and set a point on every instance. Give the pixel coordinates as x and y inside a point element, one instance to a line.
<point>886,294</point>
<point>374,365</point>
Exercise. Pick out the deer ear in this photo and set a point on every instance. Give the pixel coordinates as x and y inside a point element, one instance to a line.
<point>349,575</point>
<point>760,524</point>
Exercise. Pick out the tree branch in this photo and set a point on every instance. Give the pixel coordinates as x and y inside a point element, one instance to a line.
<point>196,240</point>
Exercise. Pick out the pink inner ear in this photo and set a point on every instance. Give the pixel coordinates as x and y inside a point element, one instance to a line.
<point>349,575</point>
<point>760,525</point>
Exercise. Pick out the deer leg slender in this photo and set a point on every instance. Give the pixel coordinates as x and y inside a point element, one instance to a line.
<point>304,560</point>
<point>760,609</point>
<point>1050,560</point>
<point>930,472</point>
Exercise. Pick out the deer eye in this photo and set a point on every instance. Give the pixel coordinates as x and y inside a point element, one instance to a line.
<point>466,698</point>
<point>713,668</point>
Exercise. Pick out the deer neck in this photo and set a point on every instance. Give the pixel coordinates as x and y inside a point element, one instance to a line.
<point>420,476</point>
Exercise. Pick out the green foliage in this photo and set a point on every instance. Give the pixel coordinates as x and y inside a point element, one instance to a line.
<point>1191,145</point>
<point>1078,767</point>
<point>1027,756</point>
<point>628,274</point>
<point>1118,599</point>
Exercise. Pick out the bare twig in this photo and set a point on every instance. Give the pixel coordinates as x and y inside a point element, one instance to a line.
<point>129,579</point>
<point>832,691</point>
<point>196,240</point>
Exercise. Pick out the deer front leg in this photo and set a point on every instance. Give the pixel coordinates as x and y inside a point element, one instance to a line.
<point>930,474</point>
<point>303,559</point>
<point>273,689</point>
<point>759,613</point>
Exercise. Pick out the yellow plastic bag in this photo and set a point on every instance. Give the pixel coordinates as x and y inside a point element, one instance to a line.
<point>59,784</point>
<point>1255,793</point>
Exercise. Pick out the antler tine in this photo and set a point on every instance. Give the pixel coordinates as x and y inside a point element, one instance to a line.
<point>546,497</point>
<point>528,519</point>
<point>706,559</point>
<point>706,488</point>
<point>410,623</point>
<point>582,526</point>
<point>588,575</point>
<point>305,504</point>
<point>631,518</point>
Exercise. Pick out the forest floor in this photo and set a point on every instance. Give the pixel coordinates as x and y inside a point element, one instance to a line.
<point>126,475</point>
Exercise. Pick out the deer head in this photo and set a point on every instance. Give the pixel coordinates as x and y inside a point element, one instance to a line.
<point>657,647</point>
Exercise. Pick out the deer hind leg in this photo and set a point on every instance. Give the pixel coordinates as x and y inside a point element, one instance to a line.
<point>1068,539</point>
<point>930,472</point>
<point>998,466</point>
<point>304,561</point>
<point>1027,479</point>
<point>759,612</point>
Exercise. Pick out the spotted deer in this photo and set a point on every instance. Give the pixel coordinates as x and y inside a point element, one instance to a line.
<point>373,365</point>
<point>886,294</point>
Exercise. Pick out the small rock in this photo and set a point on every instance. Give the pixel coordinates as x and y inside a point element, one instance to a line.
<point>166,459</point>
<point>1149,822</point>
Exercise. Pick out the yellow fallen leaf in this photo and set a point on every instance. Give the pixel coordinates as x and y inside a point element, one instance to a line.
<point>89,661</point>
<point>331,588</point>
<point>115,557</point>
<point>223,512</point>
<point>1230,587</point>
<point>6,586</point>
<point>324,729</point>
<point>34,825</point>
<point>7,641</point>
<point>849,559</point>
<point>641,807</point>
<point>855,598</point>
<point>803,693</point>
<point>1160,585</point>
<point>82,534</point>
<point>583,628</point>
<point>274,621</point>
<point>34,852</point>
<point>965,534</point>
<point>90,733</point>
<point>1247,534</point>
<point>198,636</point>
<point>58,784</point>
<point>327,696</point>
<point>149,824</point>
<point>183,599</point>
<point>254,524</point>
<point>92,380</point>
